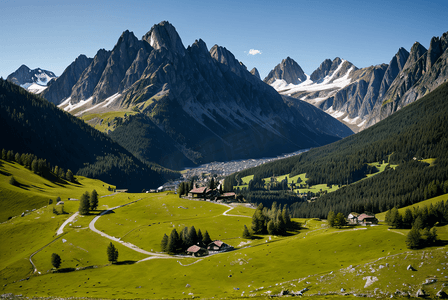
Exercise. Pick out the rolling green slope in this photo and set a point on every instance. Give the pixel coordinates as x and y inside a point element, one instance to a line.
<point>35,191</point>
<point>321,259</point>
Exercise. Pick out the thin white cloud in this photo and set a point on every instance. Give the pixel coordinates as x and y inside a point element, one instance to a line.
<point>254,52</point>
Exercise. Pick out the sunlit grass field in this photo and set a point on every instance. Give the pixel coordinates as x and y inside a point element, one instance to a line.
<point>317,257</point>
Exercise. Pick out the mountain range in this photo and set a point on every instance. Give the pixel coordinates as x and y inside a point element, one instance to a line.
<point>185,106</point>
<point>363,97</point>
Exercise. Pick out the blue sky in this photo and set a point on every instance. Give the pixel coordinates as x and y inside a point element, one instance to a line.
<point>51,34</point>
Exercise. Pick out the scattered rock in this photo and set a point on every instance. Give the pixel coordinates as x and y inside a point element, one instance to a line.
<point>442,294</point>
<point>188,285</point>
<point>369,280</point>
<point>410,268</point>
<point>421,293</point>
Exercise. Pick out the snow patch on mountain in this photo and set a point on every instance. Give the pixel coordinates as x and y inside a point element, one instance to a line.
<point>69,106</point>
<point>328,83</point>
<point>335,113</point>
<point>36,88</point>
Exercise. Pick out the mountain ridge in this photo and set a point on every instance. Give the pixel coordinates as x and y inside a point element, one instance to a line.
<point>204,102</point>
<point>361,102</point>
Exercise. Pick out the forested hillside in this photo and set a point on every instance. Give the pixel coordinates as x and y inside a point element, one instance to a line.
<point>31,124</point>
<point>417,132</point>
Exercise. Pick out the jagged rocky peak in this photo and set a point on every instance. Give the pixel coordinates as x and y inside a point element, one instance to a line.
<point>255,72</point>
<point>164,35</point>
<point>288,70</point>
<point>434,52</point>
<point>417,50</point>
<point>328,67</point>
<point>226,58</point>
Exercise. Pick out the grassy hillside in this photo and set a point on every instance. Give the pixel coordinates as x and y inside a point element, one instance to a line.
<point>35,191</point>
<point>318,258</point>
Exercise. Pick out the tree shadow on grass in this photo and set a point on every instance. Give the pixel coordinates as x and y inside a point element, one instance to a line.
<point>98,212</point>
<point>125,262</point>
<point>65,270</point>
<point>5,173</point>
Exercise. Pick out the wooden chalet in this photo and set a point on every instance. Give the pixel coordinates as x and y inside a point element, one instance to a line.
<point>197,251</point>
<point>200,192</point>
<point>367,219</point>
<point>353,218</point>
<point>218,246</point>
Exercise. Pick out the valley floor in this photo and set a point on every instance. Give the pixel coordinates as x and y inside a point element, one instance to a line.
<point>318,260</point>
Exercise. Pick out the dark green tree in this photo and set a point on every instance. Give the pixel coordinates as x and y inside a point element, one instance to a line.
<point>246,233</point>
<point>17,158</point>
<point>272,229</point>
<point>212,184</point>
<point>164,243</point>
<point>84,204</point>
<point>69,176</point>
<point>330,218</point>
<point>200,238</point>
<point>339,220</point>
<point>192,236</point>
<point>173,242</point>
<point>408,218</point>
<point>93,200</point>
<point>55,260</point>
<point>58,199</point>
<point>413,239</point>
<point>112,253</point>
<point>206,239</point>
<point>258,220</point>
<point>4,154</point>
<point>34,166</point>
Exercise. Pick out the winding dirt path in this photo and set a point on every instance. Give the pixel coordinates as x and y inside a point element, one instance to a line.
<point>72,217</point>
<point>118,240</point>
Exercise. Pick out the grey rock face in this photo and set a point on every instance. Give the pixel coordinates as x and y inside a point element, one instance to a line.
<point>84,87</point>
<point>287,70</point>
<point>118,63</point>
<point>165,35</point>
<point>254,72</point>
<point>422,73</point>
<point>326,68</point>
<point>61,88</point>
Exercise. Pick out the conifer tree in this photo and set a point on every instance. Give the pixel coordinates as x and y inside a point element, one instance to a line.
<point>112,253</point>
<point>330,218</point>
<point>69,175</point>
<point>246,233</point>
<point>4,154</point>
<point>206,239</point>
<point>55,260</point>
<point>164,243</point>
<point>84,204</point>
<point>192,236</point>
<point>173,242</point>
<point>93,200</point>
<point>413,239</point>
<point>200,238</point>
<point>272,228</point>
<point>339,220</point>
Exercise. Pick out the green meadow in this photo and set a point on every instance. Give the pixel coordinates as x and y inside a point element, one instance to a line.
<point>328,262</point>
